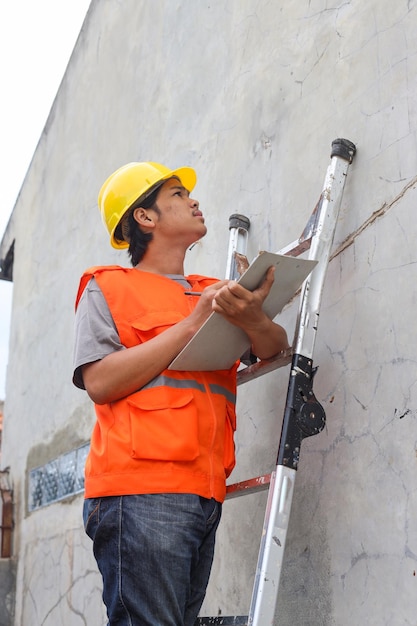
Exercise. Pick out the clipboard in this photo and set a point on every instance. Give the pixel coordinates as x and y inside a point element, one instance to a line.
<point>218,343</point>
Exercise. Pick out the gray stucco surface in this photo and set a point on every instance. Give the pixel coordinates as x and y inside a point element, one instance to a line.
<point>251,93</point>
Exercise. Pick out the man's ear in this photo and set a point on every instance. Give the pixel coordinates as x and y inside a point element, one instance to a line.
<point>143,218</point>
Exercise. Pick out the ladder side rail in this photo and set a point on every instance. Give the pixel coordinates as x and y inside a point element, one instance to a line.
<point>317,237</point>
<point>330,200</point>
<point>303,415</point>
<point>271,550</point>
<point>238,238</point>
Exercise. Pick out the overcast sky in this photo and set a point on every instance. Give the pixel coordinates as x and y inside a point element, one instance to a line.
<point>37,40</point>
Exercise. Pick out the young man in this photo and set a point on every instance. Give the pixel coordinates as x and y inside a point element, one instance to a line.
<point>162,446</point>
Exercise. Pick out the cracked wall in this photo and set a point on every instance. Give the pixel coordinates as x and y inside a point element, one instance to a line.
<point>251,93</point>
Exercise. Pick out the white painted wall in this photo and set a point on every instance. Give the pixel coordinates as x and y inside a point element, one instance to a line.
<point>251,93</point>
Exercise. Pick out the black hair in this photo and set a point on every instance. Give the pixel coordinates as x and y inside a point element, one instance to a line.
<point>129,230</point>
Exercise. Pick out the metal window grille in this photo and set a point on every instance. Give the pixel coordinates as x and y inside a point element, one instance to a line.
<point>60,478</point>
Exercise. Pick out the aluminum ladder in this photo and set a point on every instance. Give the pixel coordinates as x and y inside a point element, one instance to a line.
<point>303,415</point>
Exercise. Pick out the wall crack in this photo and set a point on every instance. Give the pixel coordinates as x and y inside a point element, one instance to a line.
<point>350,239</point>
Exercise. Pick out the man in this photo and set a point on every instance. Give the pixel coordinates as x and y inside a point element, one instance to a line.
<point>162,446</point>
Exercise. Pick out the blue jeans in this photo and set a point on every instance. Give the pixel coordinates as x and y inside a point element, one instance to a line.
<point>154,553</point>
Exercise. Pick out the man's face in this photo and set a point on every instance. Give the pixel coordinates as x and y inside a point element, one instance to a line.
<point>180,216</point>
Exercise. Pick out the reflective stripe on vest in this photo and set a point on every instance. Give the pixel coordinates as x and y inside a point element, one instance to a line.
<point>189,383</point>
<point>231,397</point>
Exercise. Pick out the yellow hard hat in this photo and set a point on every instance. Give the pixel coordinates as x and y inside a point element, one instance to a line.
<point>127,184</point>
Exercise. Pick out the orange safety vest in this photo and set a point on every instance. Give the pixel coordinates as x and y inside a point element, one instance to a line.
<point>175,434</point>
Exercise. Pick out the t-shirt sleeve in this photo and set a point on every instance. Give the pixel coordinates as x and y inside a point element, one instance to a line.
<point>96,334</point>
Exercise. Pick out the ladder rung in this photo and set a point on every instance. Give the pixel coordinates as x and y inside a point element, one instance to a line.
<point>264,367</point>
<point>245,487</point>
<point>237,620</point>
<point>296,248</point>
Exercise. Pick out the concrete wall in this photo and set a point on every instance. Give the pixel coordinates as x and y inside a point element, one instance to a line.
<point>7,591</point>
<point>251,93</point>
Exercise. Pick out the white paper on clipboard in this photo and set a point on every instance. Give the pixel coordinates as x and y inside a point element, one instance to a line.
<point>218,343</point>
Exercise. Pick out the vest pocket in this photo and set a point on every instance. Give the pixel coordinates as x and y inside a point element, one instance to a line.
<point>164,425</point>
<point>153,323</point>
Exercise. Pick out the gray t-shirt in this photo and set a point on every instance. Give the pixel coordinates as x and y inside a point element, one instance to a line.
<point>96,334</point>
